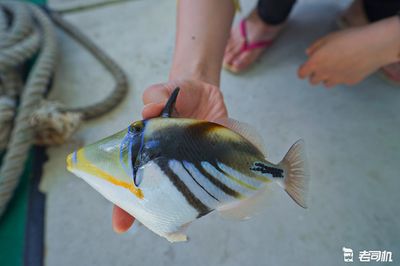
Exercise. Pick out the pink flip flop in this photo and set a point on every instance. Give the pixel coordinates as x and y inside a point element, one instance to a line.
<point>247,46</point>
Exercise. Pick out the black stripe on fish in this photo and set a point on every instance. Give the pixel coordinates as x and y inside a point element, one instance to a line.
<point>194,179</point>
<point>216,182</point>
<point>201,208</point>
<point>264,169</point>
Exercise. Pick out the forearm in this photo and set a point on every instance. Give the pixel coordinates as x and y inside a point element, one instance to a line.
<point>202,31</point>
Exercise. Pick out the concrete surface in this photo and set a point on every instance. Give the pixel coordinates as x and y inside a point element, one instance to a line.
<point>352,137</point>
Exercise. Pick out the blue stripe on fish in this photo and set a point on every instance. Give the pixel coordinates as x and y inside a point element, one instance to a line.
<point>250,180</point>
<point>201,208</point>
<point>74,158</point>
<point>232,182</point>
<point>138,158</point>
<point>193,185</point>
<point>205,181</point>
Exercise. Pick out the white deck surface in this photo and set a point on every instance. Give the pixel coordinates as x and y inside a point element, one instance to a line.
<point>352,138</point>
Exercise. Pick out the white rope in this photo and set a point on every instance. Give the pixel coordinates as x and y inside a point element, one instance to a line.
<point>25,32</point>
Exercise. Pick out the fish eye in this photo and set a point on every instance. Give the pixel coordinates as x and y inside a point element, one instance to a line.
<point>136,127</point>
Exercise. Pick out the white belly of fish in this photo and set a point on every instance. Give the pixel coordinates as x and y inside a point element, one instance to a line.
<point>164,210</point>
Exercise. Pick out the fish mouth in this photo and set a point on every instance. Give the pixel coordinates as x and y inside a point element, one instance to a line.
<point>83,165</point>
<point>71,160</point>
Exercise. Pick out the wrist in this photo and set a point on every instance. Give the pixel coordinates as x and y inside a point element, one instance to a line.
<point>196,70</point>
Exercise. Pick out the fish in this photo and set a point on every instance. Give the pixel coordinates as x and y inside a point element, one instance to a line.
<point>168,171</point>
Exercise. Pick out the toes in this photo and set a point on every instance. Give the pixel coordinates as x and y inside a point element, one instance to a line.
<point>241,61</point>
<point>229,45</point>
<point>233,46</point>
<point>245,59</point>
<point>229,57</point>
<point>232,53</point>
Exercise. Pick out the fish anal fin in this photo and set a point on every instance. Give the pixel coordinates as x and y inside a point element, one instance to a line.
<point>245,130</point>
<point>179,235</point>
<point>176,237</point>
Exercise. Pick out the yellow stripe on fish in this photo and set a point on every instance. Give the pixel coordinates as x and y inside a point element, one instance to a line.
<point>84,165</point>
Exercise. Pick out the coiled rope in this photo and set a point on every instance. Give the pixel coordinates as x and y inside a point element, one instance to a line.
<point>27,32</point>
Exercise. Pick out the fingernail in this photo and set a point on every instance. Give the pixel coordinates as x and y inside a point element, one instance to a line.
<point>117,232</point>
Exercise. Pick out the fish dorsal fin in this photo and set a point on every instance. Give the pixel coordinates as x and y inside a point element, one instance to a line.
<point>244,129</point>
<point>246,208</point>
<point>170,105</point>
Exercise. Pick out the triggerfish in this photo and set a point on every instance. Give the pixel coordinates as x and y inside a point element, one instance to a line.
<point>168,171</point>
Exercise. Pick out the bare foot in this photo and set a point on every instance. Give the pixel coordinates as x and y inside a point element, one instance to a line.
<point>348,56</point>
<point>257,30</point>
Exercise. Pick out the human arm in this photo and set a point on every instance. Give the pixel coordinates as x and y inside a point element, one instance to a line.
<point>202,32</point>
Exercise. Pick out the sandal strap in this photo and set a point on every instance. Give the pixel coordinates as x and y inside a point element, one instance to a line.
<point>247,46</point>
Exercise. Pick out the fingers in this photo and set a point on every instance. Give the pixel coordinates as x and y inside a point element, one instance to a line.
<point>152,110</point>
<point>121,220</point>
<point>315,46</point>
<point>312,70</point>
<point>156,94</point>
<point>314,76</point>
<point>305,70</point>
<point>308,68</point>
<point>316,79</point>
<point>154,98</point>
<point>330,83</point>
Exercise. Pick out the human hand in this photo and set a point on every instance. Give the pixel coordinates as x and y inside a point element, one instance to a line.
<point>196,99</point>
<point>348,56</point>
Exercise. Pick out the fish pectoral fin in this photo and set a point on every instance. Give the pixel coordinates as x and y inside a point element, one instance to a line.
<point>246,208</point>
<point>245,130</point>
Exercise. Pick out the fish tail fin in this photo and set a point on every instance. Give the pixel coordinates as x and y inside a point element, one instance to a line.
<point>296,178</point>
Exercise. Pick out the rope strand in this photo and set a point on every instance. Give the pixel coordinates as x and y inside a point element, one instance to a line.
<point>26,31</point>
